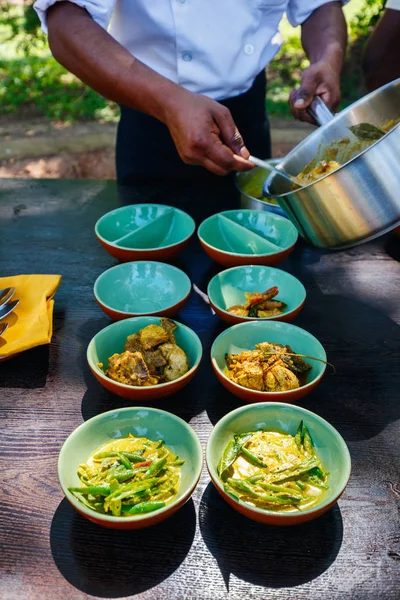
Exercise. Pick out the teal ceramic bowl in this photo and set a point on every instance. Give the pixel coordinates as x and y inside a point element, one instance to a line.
<point>148,422</point>
<point>330,446</point>
<point>245,336</point>
<point>144,232</point>
<point>141,288</point>
<point>111,340</point>
<point>247,237</point>
<point>227,289</point>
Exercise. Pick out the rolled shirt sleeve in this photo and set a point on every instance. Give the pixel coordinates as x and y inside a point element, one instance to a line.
<point>100,10</point>
<point>298,11</point>
<point>393,4</point>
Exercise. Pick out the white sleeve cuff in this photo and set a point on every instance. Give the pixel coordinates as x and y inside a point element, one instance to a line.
<point>393,4</point>
<point>99,10</point>
<point>298,11</point>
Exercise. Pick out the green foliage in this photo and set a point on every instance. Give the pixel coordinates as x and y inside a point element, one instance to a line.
<point>363,21</point>
<point>33,83</point>
<point>40,86</point>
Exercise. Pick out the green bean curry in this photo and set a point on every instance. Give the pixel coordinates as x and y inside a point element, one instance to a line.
<point>129,476</point>
<point>273,470</point>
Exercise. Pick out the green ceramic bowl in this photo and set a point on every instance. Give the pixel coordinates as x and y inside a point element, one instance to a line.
<point>147,422</point>
<point>245,336</point>
<point>144,232</point>
<point>141,288</point>
<point>329,444</point>
<point>112,339</point>
<point>227,289</point>
<point>247,237</point>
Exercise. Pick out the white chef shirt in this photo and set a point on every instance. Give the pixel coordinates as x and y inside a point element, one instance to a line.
<point>394,4</point>
<point>211,47</point>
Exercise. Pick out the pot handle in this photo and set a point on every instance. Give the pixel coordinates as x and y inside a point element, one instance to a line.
<point>319,111</point>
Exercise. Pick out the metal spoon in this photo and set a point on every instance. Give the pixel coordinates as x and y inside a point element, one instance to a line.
<point>272,169</point>
<point>6,295</point>
<point>8,308</point>
<point>3,328</point>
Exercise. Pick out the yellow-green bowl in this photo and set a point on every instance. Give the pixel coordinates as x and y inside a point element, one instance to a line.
<point>140,421</point>
<point>245,336</point>
<point>330,446</point>
<point>111,340</point>
<point>247,237</point>
<point>141,288</point>
<point>227,289</point>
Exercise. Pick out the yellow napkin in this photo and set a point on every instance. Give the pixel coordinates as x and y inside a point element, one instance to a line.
<point>31,323</point>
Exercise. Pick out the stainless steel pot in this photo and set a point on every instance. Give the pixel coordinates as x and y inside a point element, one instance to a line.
<point>359,201</point>
<point>250,185</point>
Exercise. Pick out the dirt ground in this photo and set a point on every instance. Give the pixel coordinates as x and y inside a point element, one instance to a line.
<point>47,149</point>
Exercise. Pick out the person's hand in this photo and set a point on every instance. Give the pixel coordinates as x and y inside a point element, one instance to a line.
<point>320,79</point>
<point>205,134</point>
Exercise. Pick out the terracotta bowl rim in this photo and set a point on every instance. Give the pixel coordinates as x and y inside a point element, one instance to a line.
<point>147,516</point>
<point>281,516</point>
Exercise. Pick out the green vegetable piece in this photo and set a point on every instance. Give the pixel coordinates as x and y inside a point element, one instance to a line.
<point>82,499</point>
<point>155,467</point>
<point>255,478</point>
<point>96,490</point>
<point>230,492</point>
<point>125,460</point>
<point>145,507</point>
<point>159,444</point>
<point>252,457</point>
<point>124,475</point>
<point>280,489</point>
<point>129,455</point>
<point>232,451</point>
<point>241,485</point>
<point>308,443</point>
<point>178,463</point>
<point>298,438</point>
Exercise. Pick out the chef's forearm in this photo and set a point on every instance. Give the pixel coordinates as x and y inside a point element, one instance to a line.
<point>88,51</point>
<point>324,35</point>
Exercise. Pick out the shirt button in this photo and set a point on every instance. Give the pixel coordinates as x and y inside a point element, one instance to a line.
<point>187,57</point>
<point>248,49</point>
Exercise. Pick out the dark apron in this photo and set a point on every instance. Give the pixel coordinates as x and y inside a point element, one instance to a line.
<point>146,153</point>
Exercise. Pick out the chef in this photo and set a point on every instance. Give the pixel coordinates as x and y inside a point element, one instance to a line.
<point>381,56</point>
<point>189,75</point>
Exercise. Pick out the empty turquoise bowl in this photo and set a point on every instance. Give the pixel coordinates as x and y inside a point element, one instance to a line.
<point>144,231</point>
<point>140,421</point>
<point>111,340</point>
<point>141,288</point>
<point>227,289</point>
<point>247,237</point>
<point>330,446</point>
<point>245,336</point>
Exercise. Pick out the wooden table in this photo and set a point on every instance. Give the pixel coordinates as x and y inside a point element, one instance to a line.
<point>207,550</point>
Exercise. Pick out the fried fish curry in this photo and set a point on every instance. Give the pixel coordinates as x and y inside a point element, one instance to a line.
<point>150,357</point>
<point>269,368</point>
<point>259,304</point>
<point>322,168</point>
<point>129,476</point>
<point>273,470</point>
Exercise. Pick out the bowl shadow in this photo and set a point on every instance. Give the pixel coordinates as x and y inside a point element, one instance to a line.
<point>264,555</point>
<point>110,563</point>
